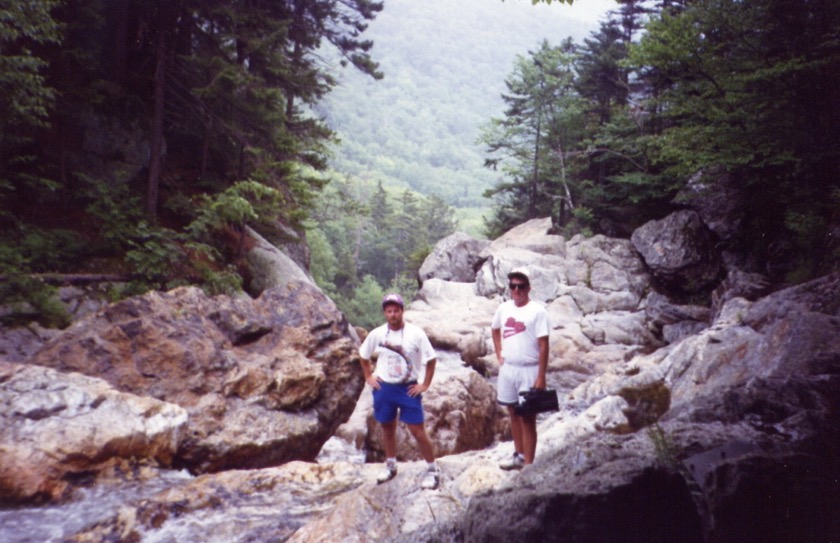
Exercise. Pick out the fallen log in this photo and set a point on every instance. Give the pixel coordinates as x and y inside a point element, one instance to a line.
<point>76,278</point>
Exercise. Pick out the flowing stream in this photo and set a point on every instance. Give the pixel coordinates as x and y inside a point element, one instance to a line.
<point>89,505</point>
<point>54,523</point>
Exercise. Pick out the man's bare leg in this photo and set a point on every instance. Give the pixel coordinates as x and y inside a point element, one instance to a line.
<point>423,442</point>
<point>529,437</point>
<point>389,438</point>
<point>516,431</point>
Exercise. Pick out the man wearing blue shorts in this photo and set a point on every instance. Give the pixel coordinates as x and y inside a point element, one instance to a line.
<point>520,332</point>
<point>400,350</point>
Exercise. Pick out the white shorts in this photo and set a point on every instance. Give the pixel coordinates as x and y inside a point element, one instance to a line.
<point>513,379</point>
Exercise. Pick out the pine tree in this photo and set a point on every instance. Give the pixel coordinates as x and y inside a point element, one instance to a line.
<point>26,98</point>
<point>752,88</point>
<point>543,118</point>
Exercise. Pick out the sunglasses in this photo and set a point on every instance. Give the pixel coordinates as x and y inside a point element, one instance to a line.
<point>518,286</point>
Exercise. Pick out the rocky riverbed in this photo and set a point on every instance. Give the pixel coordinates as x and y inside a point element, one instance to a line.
<point>220,419</point>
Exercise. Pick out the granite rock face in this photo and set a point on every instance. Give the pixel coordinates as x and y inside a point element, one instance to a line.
<point>729,435</point>
<point>454,258</point>
<point>746,449</point>
<point>58,426</point>
<point>678,421</point>
<point>264,381</point>
<point>680,252</point>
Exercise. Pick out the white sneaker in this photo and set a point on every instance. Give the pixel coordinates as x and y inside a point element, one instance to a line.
<point>431,480</point>
<point>388,473</point>
<point>516,461</point>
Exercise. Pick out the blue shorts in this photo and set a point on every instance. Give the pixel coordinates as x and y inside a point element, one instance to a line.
<point>391,397</point>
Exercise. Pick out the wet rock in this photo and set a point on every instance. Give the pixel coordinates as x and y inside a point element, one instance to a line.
<point>240,505</point>
<point>56,427</point>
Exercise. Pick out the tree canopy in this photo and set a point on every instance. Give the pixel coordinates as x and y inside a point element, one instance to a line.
<point>133,126</point>
<point>746,87</point>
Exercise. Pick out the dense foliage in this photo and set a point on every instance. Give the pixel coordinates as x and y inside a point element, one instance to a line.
<point>370,240</point>
<point>602,135</point>
<point>134,132</point>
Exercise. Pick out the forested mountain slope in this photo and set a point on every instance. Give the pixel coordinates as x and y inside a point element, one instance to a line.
<point>444,63</point>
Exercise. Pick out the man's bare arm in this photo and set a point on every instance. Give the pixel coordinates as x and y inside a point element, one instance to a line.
<point>414,390</point>
<point>542,343</point>
<point>497,344</point>
<point>367,370</point>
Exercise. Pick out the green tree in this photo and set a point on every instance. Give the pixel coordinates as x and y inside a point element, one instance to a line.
<point>601,78</point>
<point>323,262</point>
<point>542,121</point>
<point>364,307</point>
<point>26,98</point>
<point>223,92</point>
<point>375,233</point>
<point>620,188</point>
<point>752,87</point>
<point>380,254</point>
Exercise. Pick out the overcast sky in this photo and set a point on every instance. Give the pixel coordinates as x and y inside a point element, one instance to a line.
<point>592,10</point>
<point>587,10</point>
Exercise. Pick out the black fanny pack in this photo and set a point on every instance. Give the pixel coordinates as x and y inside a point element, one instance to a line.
<point>537,401</point>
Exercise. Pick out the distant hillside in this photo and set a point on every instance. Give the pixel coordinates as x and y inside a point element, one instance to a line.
<point>445,63</point>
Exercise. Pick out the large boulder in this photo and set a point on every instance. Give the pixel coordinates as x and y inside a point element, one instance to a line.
<point>680,252</point>
<point>18,343</point>
<point>740,284</point>
<point>593,288</point>
<point>748,428</point>
<point>718,197</point>
<point>268,266</point>
<point>264,381</point>
<point>533,235</point>
<point>21,342</point>
<point>673,321</point>
<point>454,258</point>
<point>56,427</point>
<point>454,317</point>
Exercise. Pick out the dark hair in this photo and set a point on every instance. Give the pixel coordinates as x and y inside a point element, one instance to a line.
<point>521,276</point>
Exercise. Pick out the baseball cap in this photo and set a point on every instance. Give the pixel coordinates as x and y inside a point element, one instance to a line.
<point>521,274</point>
<point>392,299</point>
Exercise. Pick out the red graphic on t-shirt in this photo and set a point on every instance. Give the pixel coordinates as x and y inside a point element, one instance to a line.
<point>513,327</point>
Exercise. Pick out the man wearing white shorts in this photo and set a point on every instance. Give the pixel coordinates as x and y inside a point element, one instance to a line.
<point>520,332</point>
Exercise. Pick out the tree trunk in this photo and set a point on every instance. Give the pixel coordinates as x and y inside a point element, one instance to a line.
<point>76,278</point>
<point>297,53</point>
<point>121,41</point>
<point>205,149</point>
<point>532,207</point>
<point>566,190</point>
<point>156,151</point>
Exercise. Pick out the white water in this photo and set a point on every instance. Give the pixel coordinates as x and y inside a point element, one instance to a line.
<point>54,523</point>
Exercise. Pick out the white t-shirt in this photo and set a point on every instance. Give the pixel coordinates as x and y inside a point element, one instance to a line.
<point>390,366</point>
<point>521,326</point>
